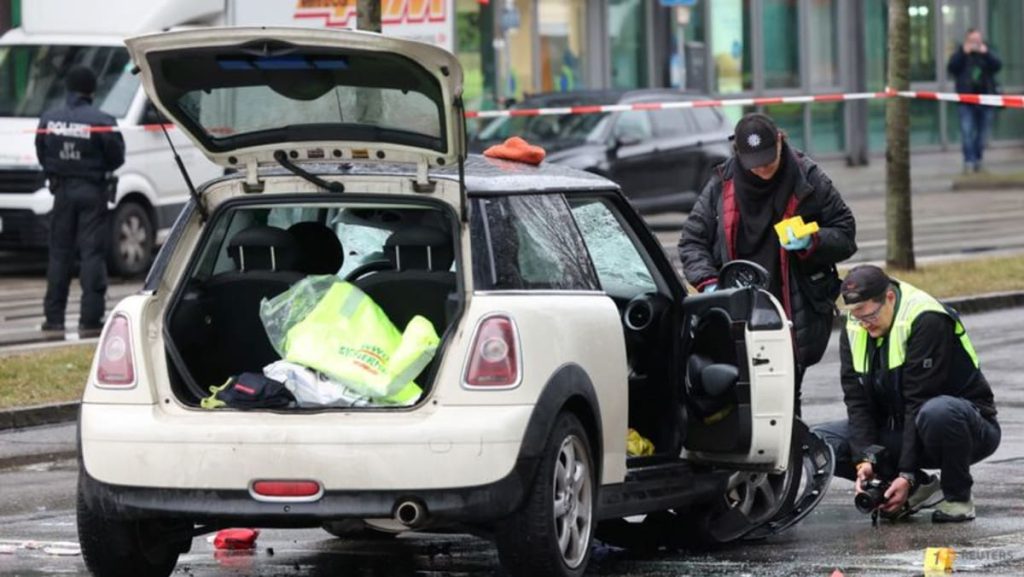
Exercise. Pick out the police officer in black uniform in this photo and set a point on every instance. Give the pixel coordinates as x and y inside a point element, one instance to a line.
<point>78,161</point>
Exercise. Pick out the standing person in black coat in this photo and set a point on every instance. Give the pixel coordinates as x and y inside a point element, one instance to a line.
<point>78,162</point>
<point>974,66</point>
<point>764,182</point>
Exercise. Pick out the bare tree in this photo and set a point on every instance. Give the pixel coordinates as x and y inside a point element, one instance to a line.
<point>898,216</point>
<point>368,15</point>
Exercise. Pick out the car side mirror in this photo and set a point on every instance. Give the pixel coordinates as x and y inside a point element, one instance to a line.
<point>625,140</point>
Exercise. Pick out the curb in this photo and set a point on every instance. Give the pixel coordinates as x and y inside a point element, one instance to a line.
<point>37,415</point>
<point>36,458</point>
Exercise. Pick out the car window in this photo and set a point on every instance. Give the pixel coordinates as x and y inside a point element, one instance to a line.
<point>633,125</point>
<point>707,120</point>
<point>528,242</point>
<point>621,268</point>
<point>672,122</point>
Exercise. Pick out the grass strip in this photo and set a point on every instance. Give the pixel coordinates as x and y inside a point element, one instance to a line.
<point>50,375</point>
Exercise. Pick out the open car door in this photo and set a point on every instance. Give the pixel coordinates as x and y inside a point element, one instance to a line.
<point>740,398</point>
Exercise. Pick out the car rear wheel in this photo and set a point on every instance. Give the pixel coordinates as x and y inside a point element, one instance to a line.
<point>132,240</point>
<point>114,547</point>
<point>552,533</point>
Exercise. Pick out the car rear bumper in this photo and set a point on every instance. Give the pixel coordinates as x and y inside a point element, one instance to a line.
<point>435,447</point>
<point>472,505</point>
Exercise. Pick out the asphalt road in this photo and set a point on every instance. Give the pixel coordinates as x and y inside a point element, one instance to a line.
<point>38,536</point>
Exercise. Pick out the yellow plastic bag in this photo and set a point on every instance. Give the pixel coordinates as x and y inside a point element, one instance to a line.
<point>637,445</point>
<point>349,338</point>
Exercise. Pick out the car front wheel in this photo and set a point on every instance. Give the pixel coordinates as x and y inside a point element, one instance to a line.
<point>551,534</point>
<point>120,548</point>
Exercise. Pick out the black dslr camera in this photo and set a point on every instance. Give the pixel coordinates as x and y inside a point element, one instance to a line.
<point>872,497</point>
<point>873,492</point>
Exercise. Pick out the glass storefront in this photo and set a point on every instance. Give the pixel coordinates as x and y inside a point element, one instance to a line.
<point>627,34</point>
<point>823,54</point>
<point>1005,22</point>
<point>730,51</point>
<point>780,29</point>
<point>513,48</point>
<point>561,28</point>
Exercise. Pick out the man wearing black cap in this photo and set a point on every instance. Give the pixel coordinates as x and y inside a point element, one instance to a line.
<point>764,182</point>
<point>913,385</point>
<point>78,161</point>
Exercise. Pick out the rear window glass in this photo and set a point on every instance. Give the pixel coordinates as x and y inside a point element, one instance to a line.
<point>234,98</point>
<point>528,242</point>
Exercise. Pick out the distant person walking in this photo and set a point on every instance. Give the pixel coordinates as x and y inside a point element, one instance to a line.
<point>78,163</point>
<point>974,66</point>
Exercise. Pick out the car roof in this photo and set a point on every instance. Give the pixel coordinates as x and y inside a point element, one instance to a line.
<point>549,99</point>
<point>483,176</point>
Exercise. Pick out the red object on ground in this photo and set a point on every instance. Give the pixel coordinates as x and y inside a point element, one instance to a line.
<point>236,538</point>
<point>517,149</point>
<point>837,573</point>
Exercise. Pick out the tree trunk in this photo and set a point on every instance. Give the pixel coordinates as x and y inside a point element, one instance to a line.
<point>898,217</point>
<point>368,15</point>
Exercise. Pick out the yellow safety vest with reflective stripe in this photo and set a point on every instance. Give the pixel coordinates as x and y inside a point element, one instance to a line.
<point>350,339</point>
<point>912,304</point>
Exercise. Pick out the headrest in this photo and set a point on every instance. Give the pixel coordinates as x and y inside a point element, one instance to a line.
<point>263,248</point>
<point>320,250</point>
<point>420,248</point>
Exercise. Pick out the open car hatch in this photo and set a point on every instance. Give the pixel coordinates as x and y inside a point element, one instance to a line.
<point>243,94</point>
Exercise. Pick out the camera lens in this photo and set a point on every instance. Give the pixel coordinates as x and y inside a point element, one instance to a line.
<point>865,502</point>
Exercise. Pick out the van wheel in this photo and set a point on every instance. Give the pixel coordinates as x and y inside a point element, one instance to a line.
<point>552,533</point>
<point>119,548</point>
<point>132,240</point>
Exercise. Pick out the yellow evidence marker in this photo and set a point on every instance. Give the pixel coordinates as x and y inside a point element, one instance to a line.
<point>938,560</point>
<point>800,229</point>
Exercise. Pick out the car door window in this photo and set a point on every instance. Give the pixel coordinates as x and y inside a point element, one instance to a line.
<point>528,242</point>
<point>670,123</point>
<point>633,126</point>
<point>707,120</point>
<point>620,266</point>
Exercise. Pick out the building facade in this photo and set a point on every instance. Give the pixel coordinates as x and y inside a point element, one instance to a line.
<point>733,49</point>
<point>743,48</point>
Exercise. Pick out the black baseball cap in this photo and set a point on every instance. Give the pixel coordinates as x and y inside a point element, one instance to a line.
<point>755,138</point>
<point>863,283</point>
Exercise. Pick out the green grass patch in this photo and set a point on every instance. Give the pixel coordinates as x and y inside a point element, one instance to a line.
<point>45,376</point>
<point>965,277</point>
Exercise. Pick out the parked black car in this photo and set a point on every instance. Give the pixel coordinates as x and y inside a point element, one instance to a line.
<point>660,158</point>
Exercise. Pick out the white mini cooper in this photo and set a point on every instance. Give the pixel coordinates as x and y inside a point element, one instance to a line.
<point>562,326</point>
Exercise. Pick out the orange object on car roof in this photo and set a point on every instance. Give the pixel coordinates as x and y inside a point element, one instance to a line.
<point>515,148</point>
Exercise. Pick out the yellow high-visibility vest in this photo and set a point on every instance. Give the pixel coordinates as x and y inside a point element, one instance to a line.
<point>350,339</point>
<point>912,304</point>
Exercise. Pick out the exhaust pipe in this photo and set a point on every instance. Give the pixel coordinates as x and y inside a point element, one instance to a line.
<point>410,513</point>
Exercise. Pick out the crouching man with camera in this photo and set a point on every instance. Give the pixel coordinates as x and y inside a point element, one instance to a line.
<point>913,386</point>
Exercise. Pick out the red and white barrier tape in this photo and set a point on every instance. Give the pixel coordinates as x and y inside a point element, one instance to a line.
<point>591,109</point>
<point>984,99</point>
<point>997,100</point>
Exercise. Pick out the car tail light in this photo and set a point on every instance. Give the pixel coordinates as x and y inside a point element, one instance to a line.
<point>299,490</point>
<point>494,358</point>
<point>116,366</point>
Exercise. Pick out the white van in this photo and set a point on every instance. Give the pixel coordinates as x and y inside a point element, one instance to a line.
<point>54,36</point>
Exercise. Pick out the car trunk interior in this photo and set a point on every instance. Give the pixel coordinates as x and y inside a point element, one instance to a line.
<point>400,255</point>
